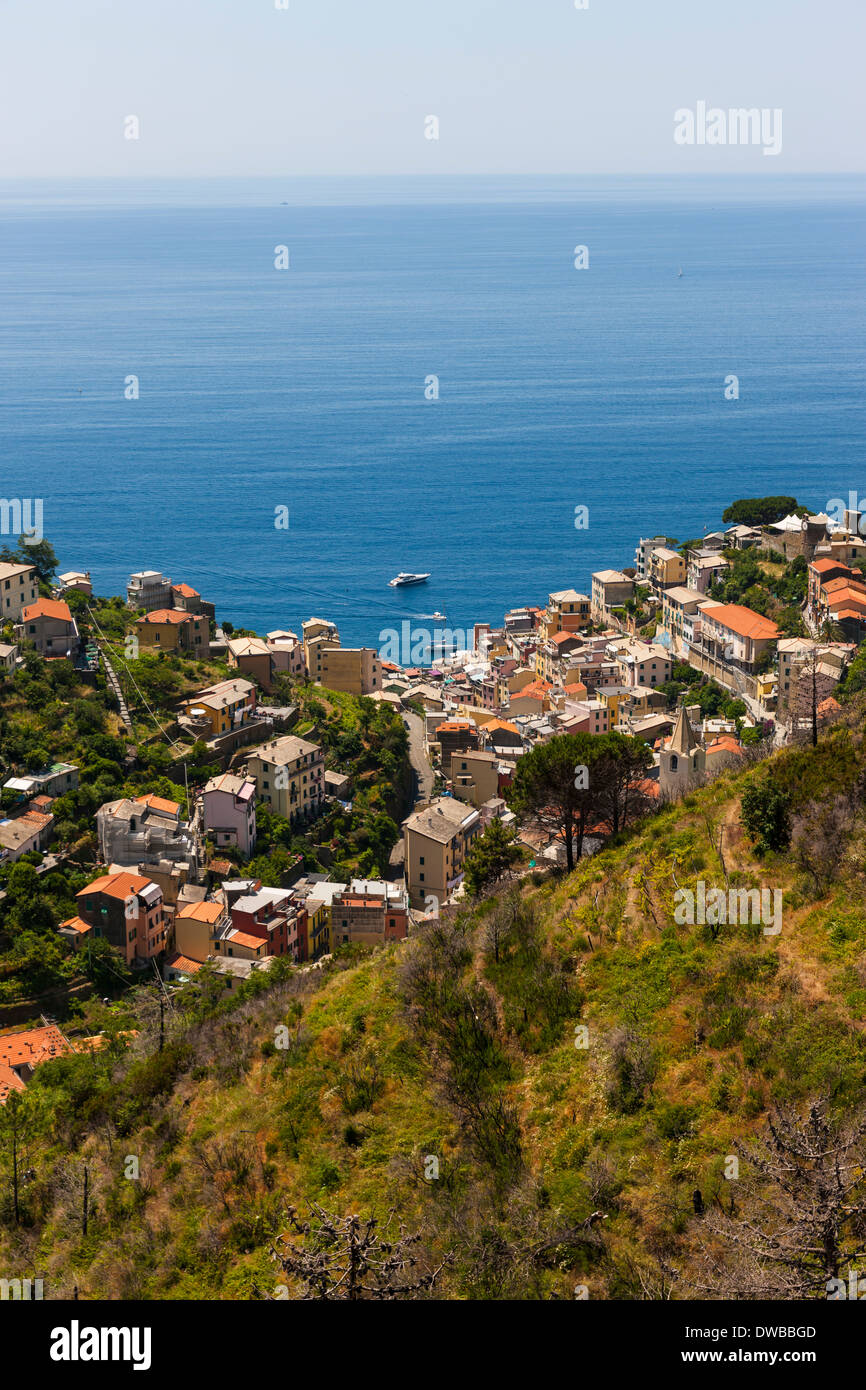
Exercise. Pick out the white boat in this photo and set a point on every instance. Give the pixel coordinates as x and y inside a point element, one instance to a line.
<point>438,617</point>
<point>403,579</point>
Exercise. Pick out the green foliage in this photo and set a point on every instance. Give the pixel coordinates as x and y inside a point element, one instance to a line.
<point>760,511</point>
<point>766,815</point>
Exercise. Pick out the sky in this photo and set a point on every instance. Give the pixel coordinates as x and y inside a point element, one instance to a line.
<point>337,87</point>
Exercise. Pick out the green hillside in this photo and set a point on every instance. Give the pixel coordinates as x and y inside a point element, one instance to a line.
<point>560,1164</point>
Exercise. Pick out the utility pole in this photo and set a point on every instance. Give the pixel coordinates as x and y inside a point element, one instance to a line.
<point>84,1207</point>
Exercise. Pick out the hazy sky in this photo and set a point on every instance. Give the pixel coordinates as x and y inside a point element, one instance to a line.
<point>344,86</point>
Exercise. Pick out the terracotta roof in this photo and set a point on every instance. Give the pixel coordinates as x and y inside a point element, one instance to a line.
<point>160,616</point>
<point>743,621</point>
<point>9,1081</point>
<point>185,591</point>
<point>77,924</point>
<point>32,1045</point>
<point>495,724</point>
<point>183,963</point>
<point>822,566</point>
<point>47,608</point>
<point>244,938</point>
<point>202,912</point>
<point>727,743</point>
<point>157,803</point>
<point>120,885</point>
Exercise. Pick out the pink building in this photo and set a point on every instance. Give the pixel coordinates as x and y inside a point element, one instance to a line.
<point>287,653</point>
<point>228,812</point>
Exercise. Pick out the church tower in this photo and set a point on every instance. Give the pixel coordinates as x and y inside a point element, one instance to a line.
<point>682,763</point>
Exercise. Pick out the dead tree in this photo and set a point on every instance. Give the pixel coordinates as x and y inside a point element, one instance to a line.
<point>801,1218</point>
<point>341,1258</point>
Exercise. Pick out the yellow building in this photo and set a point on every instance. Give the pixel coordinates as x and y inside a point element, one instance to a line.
<point>170,630</point>
<point>667,567</point>
<point>224,706</point>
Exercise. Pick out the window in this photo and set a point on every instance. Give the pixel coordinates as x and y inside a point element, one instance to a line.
<point>421,860</point>
<point>421,876</point>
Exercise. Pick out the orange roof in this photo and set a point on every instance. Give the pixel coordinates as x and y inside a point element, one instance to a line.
<point>833,586</point>
<point>847,593</point>
<point>741,620</point>
<point>185,590</point>
<point>47,608</point>
<point>9,1081</point>
<point>536,690</point>
<point>495,724</point>
<point>822,566</point>
<point>77,924</point>
<point>727,743</point>
<point>574,688</point>
<point>455,725</point>
<point>829,706</point>
<point>32,1045</point>
<point>157,803</point>
<point>120,885</point>
<point>202,912</point>
<point>244,938</point>
<point>165,615</point>
<point>183,963</point>
<point>560,637</point>
<point>850,613</point>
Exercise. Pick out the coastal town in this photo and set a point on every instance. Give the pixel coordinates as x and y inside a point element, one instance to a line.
<point>242,834</point>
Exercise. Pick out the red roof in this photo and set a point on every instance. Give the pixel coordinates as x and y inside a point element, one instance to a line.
<point>743,621</point>
<point>166,615</point>
<point>47,608</point>
<point>121,885</point>
<point>185,591</point>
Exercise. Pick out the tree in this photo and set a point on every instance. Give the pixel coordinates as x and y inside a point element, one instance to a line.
<point>491,857</point>
<point>554,787</point>
<point>760,511</point>
<point>345,1258</point>
<point>623,765</point>
<point>765,814</point>
<point>809,687</point>
<point>41,556</point>
<point>802,1222</point>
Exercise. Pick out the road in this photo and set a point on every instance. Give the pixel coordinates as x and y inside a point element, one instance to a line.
<point>418,758</point>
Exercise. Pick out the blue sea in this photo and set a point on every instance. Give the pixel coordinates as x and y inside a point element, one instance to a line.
<point>304,388</point>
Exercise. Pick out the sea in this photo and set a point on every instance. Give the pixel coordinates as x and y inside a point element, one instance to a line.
<point>440,380</point>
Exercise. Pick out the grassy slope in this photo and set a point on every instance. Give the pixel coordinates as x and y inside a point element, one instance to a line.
<point>734,1023</point>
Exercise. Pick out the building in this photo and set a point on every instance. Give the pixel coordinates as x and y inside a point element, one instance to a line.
<point>287,653</point>
<point>289,774</point>
<point>149,590</point>
<point>183,596</point>
<point>371,912</point>
<point>228,812</point>
<point>19,587</point>
<point>567,611</point>
<point>147,828</point>
<point>610,589</point>
<point>355,670</point>
<point>704,567</point>
<point>642,557</point>
<point>641,663</point>
<point>50,781</point>
<point>253,657</point>
<point>224,706</point>
<point>274,917</point>
<point>474,776</point>
<point>678,603</point>
<point>50,626</point>
<point>23,1051</point>
<point>172,630</point>
<point>436,841</point>
<point>197,925</point>
<point>319,636</point>
<point>735,635</point>
<point>667,567</point>
<point>24,834</point>
<point>8,658</point>
<point>682,762</point>
<point>76,581</point>
<point>127,910</point>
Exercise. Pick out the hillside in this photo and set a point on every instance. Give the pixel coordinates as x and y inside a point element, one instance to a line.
<point>559,1164</point>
